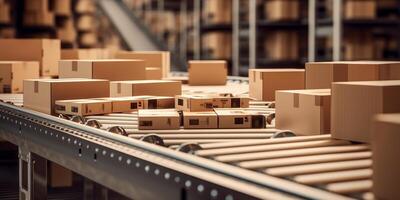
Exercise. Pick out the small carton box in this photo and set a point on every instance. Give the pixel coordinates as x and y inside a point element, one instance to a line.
<point>157,102</point>
<point>385,140</point>
<point>320,75</point>
<point>305,112</point>
<point>282,10</point>
<point>41,94</point>
<point>113,70</point>
<point>12,74</point>
<point>199,72</point>
<point>145,87</point>
<point>264,82</point>
<point>125,104</point>
<point>164,119</point>
<point>83,107</point>
<point>45,51</point>
<point>360,9</point>
<point>200,120</point>
<point>158,59</point>
<point>193,103</point>
<point>239,118</point>
<point>355,103</point>
<point>153,73</point>
<point>230,102</point>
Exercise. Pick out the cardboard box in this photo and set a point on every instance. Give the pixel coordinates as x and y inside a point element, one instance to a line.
<point>86,23</point>
<point>239,118</point>
<point>5,14</point>
<point>305,112</point>
<point>193,103</point>
<point>62,7</point>
<point>113,70</point>
<point>217,12</point>
<point>200,120</point>
<point>360,9</point>
<point>217,45</point>
<point>145,87</point>
<point>355,103</point>
<point>166,119</point>
<point>41,94</point>
<point>125,104</point>
<point>282,10</point>
<point>157,102</point>
<point>264,82</point>
<point>36,5</point>
<point>199,72</point>
<point>282,45</point>
<point>59,176</point>
<point>385,139</point>
<point>39,19</point>
<point>320,75</point>
<point>85,54</point>
<point>12,74</point>
<point>83,107</point>
<point>159,59</point>
<point>153,73</point>
<point>45,51</point>
<point>85,7</point>
<point>88,39</point>
<point>359,45</point>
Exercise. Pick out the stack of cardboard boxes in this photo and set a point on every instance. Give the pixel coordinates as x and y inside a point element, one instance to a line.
<point>86,23</point>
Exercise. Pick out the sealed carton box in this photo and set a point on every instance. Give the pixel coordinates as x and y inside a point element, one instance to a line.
<point>145,87</point>
<point>113,70</point>
<point>45,51</point>
<point>355,103</point>
<point>199,72</point>
<point>85,54</point>
<point>305,112</point>
<point>239,118</point>
<point>41,94</point>
<point>124,104</point>
<point>153,73</point>
<point>165,119</point>
<point>360,9</point>
<point>320,75</point>
<point>12,74</point>
<point>83,107</point>
<point>264,82</point>
<point>157,102</point>
<point>230,102</point>
<point>158,59</point>
<point>193,103</point>
<point>385,139</point>
<point>200,120</point>
<point>281,10</point>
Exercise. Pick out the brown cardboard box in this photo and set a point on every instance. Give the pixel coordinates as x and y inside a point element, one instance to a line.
<point>46,51</point>
<point>153,73</point>
<point>193,103</point>
<point>239,118</point>
<point>217,45</point>
<point>159,59</point>
<point>200,120</point>
<point>217,11</point>
<point>85,7</point>
<point>41,94</point>
<point>359,45</point>
<point>67,31</point>
<point>320,75</point>
<point>145,87</point>
<point>125,104</point>
<point>264,82</point>
<point>230,102</point>
<point>62,7</point>
<point>281,10</point>
<point>282,45</point>
<point>354,104</point>
<point>85,23</point>
<point>165,119</point>
<point>305,112</point>
<point>385,139</point>
<point>12,74</point>
<point>85,54</point>
<point>59,176</point>
<point>38,19</point>
<point>5,14</point>
<point>36,5</point>
<point>360,9</point>
<point>199,72</point>
<point>83,107</point>
<point>157,102</point>
<point>88,39</point>
<point>113,70</point>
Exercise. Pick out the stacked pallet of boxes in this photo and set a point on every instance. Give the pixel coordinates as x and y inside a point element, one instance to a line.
<point>85,23</point>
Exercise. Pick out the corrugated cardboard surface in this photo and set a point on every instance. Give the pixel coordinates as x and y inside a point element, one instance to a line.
<point>159,59</point>
<point>164,119</point>
<point>145,87</point>
<point>207,72</point>
<point>41,94</point>
<point>305,112</point>
<point>354,104</point>
<point>385,139</point>
<point>264,82</point>
<point>201,120</point>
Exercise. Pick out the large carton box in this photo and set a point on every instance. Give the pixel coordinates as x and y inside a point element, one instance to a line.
<point>320,75</point>
<point>159,59</point>
<point>199,72</point>
<point>157,102</point>
<point>385,139</point>
<point>83,107</point>
<point>145,87</point>
<point>355,103</point>
<point>239,118</point>
<point>12,74</point>
<point>113,70</point>
<point>264,82</point>
<point>165,119</point>
<point>305,112</point>
<point>282,10</point>
<point>45,51</point>
<point>200,120</point>
<point>360,9</point>
<point>217,11</point>
<point>282,45</point>
<point>41,94</point>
